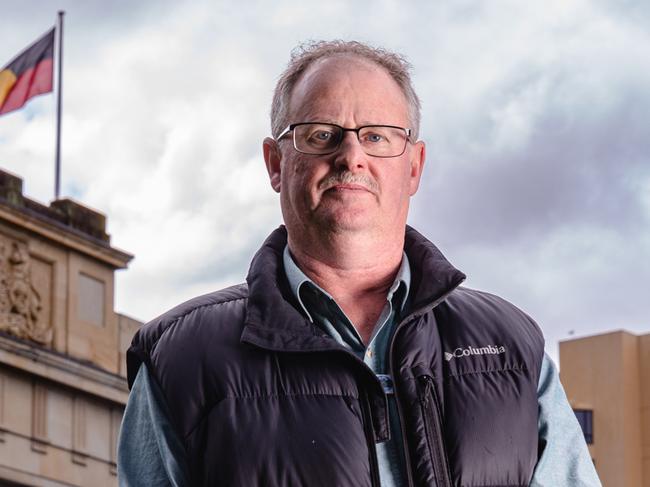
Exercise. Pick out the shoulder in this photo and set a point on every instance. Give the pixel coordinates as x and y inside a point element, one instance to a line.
<point>478,315</point>
<point>188,324</point>
<point>475,304</point>
<point>192,313</point>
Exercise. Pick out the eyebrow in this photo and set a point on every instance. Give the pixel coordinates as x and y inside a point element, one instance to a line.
<point>309,117</point>
<point>362,124</point>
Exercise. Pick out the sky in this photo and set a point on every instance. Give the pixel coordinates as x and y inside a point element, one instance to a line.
<point>536,117</point>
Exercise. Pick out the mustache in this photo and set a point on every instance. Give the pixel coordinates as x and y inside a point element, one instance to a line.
<point>347,177</point>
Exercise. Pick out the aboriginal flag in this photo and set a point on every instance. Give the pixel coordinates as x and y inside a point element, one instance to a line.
<point>28,75</point>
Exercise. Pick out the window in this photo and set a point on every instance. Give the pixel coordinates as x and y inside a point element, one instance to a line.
<point>586,420</point>
<point>90,300</point>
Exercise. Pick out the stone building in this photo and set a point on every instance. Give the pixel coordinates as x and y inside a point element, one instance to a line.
<point>62,365</point>
<point>607,381</point>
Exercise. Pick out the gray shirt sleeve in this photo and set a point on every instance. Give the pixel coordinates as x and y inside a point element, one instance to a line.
<point>565,459</point>
<point>149,452</point>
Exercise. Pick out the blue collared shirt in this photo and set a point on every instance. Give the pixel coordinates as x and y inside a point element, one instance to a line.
<point>151,454</point>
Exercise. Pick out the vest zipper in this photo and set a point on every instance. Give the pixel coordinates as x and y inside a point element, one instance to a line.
<point>391,365</point>
<point>433,429</point>
<point>370,440</point>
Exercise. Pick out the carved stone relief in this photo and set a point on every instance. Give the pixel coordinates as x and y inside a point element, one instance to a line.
<point>21,310</point>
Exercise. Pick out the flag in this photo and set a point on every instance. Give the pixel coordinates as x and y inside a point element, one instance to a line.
<point>29,74</point>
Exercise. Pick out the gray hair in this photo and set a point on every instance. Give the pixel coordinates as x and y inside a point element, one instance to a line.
<point>308,53</point>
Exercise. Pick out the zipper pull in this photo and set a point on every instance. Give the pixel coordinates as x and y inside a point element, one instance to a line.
<point>427,384</point>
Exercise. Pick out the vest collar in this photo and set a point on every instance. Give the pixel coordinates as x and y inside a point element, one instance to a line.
<point>432,276</point>
<point>273,319</point>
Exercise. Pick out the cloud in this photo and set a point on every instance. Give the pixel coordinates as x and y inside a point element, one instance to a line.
<point>535,117</point>
<point>538,177</point>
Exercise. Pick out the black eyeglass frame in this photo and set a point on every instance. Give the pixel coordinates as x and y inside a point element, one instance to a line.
<point>292,126</point>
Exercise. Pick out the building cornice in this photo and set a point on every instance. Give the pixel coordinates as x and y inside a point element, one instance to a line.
<point>65,222</point>
<point>64,235</point>
<point>62,369</point>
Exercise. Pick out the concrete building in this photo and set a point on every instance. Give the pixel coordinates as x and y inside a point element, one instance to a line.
<point>607,381</point>
<point>62,364</point>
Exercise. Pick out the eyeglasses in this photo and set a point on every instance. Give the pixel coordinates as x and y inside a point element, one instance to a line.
<point>324,138</point>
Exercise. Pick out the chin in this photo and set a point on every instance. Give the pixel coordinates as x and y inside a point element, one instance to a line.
<point>347,222</point>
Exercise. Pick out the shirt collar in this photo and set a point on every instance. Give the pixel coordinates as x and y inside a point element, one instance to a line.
<point>297,279</point>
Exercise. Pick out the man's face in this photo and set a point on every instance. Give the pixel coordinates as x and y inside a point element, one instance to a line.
<point>347,190</point>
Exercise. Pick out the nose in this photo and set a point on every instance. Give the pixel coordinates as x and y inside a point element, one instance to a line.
<point>350,155</point>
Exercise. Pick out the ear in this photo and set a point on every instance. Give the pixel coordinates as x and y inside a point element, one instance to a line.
<point>418,154</point>
<point>272,159</point>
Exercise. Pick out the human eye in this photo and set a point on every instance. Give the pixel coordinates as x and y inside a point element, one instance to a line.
<point>375,138</point>
<point>374,135</point>
<point>320,135</point>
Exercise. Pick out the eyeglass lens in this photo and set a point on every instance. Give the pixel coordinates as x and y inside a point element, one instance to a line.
<point>323,138</point>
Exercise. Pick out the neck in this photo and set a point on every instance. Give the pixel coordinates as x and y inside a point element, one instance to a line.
<point>356,271</point>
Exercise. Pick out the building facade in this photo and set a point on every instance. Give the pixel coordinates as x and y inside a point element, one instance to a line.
<point>62,346</point>
<point>607,381</point>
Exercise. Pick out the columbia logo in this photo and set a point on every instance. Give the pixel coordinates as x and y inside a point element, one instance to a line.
<point>466,352</point>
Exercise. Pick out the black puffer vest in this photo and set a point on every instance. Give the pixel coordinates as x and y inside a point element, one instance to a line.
<point>262,397</point>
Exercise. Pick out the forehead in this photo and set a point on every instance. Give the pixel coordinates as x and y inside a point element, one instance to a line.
<point>346,89</point>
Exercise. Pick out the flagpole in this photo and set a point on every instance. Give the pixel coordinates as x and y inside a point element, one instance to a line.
<point>57,169</point>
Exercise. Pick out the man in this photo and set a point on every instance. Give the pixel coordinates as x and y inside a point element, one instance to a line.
<point>352,356</point>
